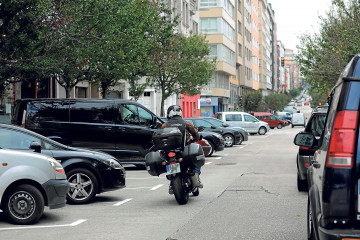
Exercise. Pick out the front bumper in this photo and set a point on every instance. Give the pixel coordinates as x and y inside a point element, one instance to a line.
<point>56,191</point>
<point>112,179</point>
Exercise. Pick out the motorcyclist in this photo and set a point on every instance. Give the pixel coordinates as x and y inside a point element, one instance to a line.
<point>174,116</point>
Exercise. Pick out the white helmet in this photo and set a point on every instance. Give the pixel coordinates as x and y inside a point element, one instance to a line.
<point>174,110</point>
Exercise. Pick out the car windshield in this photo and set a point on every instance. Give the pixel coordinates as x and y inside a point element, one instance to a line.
<point>214,121</point>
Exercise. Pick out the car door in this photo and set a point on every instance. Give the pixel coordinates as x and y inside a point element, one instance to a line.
<point>91,125</point>
<point>251,123</point>
<point>133,132</point>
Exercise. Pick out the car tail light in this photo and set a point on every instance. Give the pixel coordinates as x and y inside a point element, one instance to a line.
<point>171,154</point>
<point>342,141</point>
<point>304,148</point>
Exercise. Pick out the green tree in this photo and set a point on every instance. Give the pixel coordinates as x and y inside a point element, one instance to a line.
<point>253,101</point>
<point>322,56</point>
<point>276,102</point>
<point>294,92</point>
<point>181,65</point>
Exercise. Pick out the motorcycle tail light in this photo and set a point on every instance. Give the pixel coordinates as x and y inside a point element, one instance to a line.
<point>171,154</point>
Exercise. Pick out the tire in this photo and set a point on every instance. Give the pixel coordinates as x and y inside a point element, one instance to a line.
<point>196,192</point>
<point>272,127</point>
<point>83,186</point>
<point>24,204</point>
<point>311,235</point>
<point>301,184</point>
<point>262,131</point>
<point>180,193</point>
<point>279,126</point>
<point>212,149</point>
<point>292,125</point>
<point>241,139</point>
<point>229,140</point>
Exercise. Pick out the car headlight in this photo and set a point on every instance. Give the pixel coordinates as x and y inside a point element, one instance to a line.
<point>113,163</point>
<point>56,166</point>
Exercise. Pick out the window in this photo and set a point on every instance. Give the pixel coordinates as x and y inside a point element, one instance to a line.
<point>239,50</point>
<point>249,118</point>
<point>145,118</point>
<point>217,25</point>
<point>129,114</point>
<point>273,117</point>
<point>208,25</point>
<point>239,5</point>
<point>16,140</point>
<point>266,117</point>
<point>208,3</point>
<point>203,123</point>
<point>91,112</point>
<point>259,117</point>
<point>146,94</point>
<point>239,27</point>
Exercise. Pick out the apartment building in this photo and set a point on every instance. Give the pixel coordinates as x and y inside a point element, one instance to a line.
<point>217,22</point>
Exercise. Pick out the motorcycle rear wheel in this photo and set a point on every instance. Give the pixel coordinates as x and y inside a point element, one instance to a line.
<point>180,193</point>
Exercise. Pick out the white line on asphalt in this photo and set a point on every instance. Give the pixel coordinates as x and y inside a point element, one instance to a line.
<point>144,178</point>
<point>241,147</point>
<point>226,154</point>
<point>156,187</point>
<point>49,226</point>
<point>207,163</point>
<point>127,188</point>
<point>218,158</point>
<point>122,202</point>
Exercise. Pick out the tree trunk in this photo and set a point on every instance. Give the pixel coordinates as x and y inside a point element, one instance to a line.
<point>67,92</point>
<point>104,90</point>
<point>162,112</point>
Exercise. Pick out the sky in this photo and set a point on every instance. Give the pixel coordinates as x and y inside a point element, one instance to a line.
<point>295,17</point>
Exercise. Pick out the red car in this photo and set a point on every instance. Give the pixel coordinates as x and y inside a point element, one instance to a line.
<point>205,146</point>
<point>306,103</point>
<point>271,119</point>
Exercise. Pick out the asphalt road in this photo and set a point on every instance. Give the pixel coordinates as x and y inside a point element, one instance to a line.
<point>249,193</point>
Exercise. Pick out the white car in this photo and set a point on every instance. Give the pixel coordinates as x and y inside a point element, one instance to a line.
<point>298,119</point>
<point>242,119</point>
<point>28,182</point>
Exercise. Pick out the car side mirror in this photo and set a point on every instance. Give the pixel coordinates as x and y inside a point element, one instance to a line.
<point>298,111</point>
<point>200,129</point>
<point>36,146</point>
<point>225,125</point>
<point>213,127</point>
<point>304,139</point>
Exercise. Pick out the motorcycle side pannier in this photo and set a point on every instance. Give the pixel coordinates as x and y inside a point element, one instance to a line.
<point>167,138</point>
<point>153,164</point>
<point>193,154</point>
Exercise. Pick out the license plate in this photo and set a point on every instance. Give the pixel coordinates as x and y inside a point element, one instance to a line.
<point>172,168</point>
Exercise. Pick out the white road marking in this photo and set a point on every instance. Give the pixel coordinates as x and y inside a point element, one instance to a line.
<point>156,187</point>
<point>49,226</point>
<point>218,158</point>
<point>207,163</point>
<point>144,178</point>
<point>122,202</point>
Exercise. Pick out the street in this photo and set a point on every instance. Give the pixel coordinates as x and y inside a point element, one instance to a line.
<point>249,193</point>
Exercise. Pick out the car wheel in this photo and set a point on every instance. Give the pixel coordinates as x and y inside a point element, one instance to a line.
<point>211,150</point>
<point>301,184</point>
<point>292,125</point>
<point>279,126</point>
<point>83,186</point>
<point>272,127</point>
<point>262,131</point>
<point>241,139</point>
<point>310,226</point>
<point>24,204</point>
<point>229,140</point>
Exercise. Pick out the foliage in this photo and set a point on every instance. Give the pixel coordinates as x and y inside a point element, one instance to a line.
<point>180,64</point>
<point>318,98</point>
<point>276,102</point>
<point>294,92</point>
<point>253,101</point>
<point>322,56</point>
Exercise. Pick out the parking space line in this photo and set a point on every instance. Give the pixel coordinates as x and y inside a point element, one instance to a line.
<point>218,158</point>
<point>156,187</point>
<point>122,202</point>
<point>49,226</point>
<point>144,178</point>
<point>207,163</point>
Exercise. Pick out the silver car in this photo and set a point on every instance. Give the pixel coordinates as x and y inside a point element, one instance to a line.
<point>242,119</point>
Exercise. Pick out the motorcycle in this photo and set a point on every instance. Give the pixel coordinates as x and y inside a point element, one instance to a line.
<point>170,155</point>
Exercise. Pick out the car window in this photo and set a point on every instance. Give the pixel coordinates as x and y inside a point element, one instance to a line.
<point>317,124</point>
<point>249,118</point>
<point>202,123</point>
<point>266,117</point>
<point>214,122</point>
<point>237,117</point>
<point>16,140</point>
<point>228,117</point>
<point>145,118</point>
<point>190,120</point>
<point>91,112</point>
<point>273,117</point>
<point>218,116</point>
<point>129,114</point>
<point>259,117</point>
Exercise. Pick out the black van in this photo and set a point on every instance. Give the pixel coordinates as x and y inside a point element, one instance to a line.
<point>121,128</point>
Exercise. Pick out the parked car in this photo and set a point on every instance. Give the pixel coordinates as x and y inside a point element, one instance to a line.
<point>121,128</point>
<point>291,109</point>
<point>28,182</point>
<point>334,175</point>
<point>272,120</point>
<point>305,156</point>
<point>89,172</point>
<point>215,140</point>
<point>231,136</point>
<point>241,119</point>
<point>285,116</point>
<point>298,119</point>
<point>218,123</point>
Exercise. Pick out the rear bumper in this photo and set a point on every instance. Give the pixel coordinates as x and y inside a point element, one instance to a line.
<point>302,160</point>
<point>338,234</point>
<point>56,191</point>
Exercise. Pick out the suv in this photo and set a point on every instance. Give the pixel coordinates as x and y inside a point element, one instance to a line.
<point>28,182</point>
<point>241,119</point>
<point>272,120</point>
<point>334,176</point>
<point>315,125</point>
<point>121,128</point>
